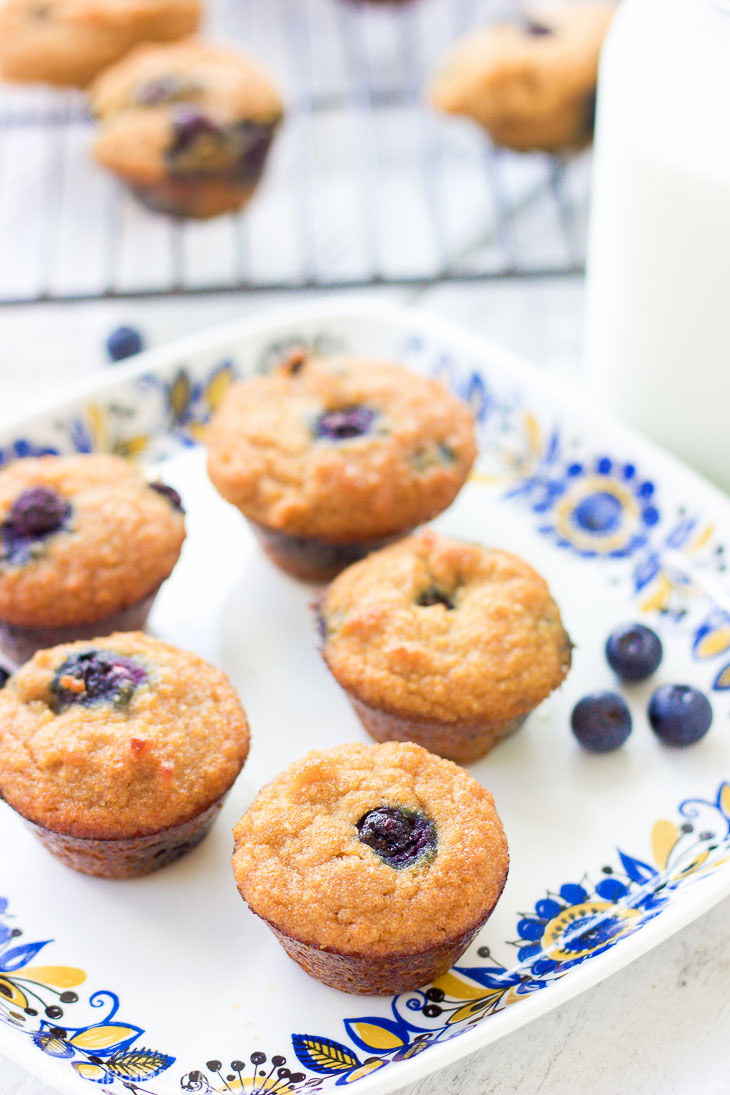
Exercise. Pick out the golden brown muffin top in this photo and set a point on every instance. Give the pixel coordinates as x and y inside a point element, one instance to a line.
<point>300,863</point>
<point>118,737</point>
<point>340,448</point>
<point>99,13</point>
<point>141,100</point>
<point>435,628</point>
<point>524,80</point>
<point>70,41</point>
<point>115,539</point>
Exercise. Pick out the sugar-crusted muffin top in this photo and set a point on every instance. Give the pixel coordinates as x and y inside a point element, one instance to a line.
<point>340,448</point>
<point>312,853</point>
<point>435,628</point>
<point>529,81</point>
<point>81,538</point>
<point>118,737</point>
<point>184,108</point>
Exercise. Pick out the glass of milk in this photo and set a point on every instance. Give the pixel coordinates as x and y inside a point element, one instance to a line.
<point>658,315</point>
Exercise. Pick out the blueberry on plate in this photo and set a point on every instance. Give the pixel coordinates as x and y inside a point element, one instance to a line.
<point>601,721</point>
<point>124,342</point>
<point>634,652</point>
<point>679,714</point>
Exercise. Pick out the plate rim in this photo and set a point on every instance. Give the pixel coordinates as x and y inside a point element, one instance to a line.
<point>568,396</point>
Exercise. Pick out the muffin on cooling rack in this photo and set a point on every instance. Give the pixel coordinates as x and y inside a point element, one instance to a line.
<point>85,543</point>
<point>118,753</point>
<point>531,83</point>
<point>71,41</point>
<point>331,457</point>
<point>374,865</point>
<point>444,643</point>
<point>187,126</point>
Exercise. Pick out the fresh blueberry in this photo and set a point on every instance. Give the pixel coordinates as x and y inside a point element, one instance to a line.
<point>4,677</point>
<point>400,837</point>
<point>679,714</point>
<point>345,423</point>
<point>96,676</point>
<point>38,511</point>
<point>35,514</point>
<point>634,652</point>
<point>601,722</point>
<point>124,342</point>
<point>170,494</point>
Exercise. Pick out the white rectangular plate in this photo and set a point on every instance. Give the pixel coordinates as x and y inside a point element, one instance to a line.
<point>167,983</point>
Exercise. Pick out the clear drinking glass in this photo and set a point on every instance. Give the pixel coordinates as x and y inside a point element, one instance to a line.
<point>658,315</point>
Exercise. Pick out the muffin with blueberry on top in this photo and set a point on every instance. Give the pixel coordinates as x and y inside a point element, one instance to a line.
<point>118,753</point>
<point>331,457</point>
<point>85,543</point>
<point>68,42</point>
<point>442,642</point>
<point>530,83</point>
<point>373,865</point>
<point>187,126</point>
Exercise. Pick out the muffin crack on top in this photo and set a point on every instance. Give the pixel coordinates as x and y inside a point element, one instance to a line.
<point>495,649</point>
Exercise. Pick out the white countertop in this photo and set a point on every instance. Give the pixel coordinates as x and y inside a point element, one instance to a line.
<point>660,1026</point>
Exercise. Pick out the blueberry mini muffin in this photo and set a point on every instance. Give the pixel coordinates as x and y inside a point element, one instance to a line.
<point>331,457</point>
<point>85,543</point>
<point>70,41</point>
<point>118,753</point>
<point>374,865</point>
<point>531,83</point>
<point>444,643</point>
<point>187,126</point>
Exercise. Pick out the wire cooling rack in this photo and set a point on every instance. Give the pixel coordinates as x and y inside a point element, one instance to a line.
<point>364,185</point>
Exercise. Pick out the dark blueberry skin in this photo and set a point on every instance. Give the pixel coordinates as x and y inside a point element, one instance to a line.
<point>400,837</point>
<point>34,515</point>
<point>344,424</point>
<point>4,677</point>
<point>189,125</point>
<point>170,494</point>
<point>38,511</point>
<point>679,714</point>
<point>536,29</point>
<point>601,722</point>
<point>124,342</point>
<point>252,141</point>
<point>106,678</point>
<point>634,652</point>
<point>202,147</point>
<point>434,596</point>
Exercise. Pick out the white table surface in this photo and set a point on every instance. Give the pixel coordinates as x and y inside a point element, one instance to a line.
<point>659,1027</point>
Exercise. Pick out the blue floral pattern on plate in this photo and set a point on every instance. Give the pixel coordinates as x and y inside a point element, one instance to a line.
<point>600,507</point>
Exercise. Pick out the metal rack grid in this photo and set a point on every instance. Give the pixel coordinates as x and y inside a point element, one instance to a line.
<point>365,184</point>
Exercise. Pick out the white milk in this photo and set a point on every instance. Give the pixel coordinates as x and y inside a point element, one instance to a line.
<point>658,334</point>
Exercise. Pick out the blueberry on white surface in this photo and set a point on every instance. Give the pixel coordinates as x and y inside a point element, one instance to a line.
<point>601,722</point>
<point>634,652</point>
<point>679,714</point>
<point>124,342</point>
